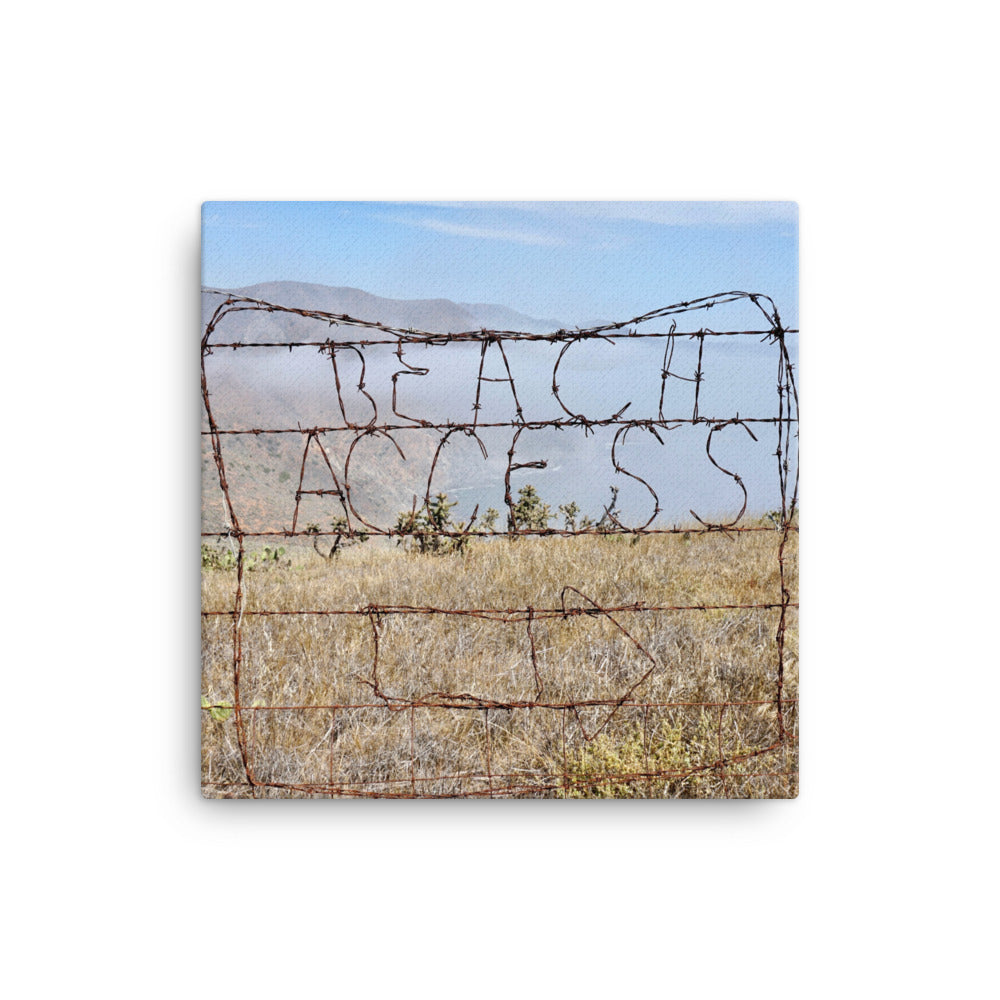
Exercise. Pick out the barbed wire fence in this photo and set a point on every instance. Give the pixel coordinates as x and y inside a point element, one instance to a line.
<point>574,605</point>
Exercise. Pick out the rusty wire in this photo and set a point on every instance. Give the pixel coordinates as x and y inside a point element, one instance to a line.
<point>505,785</point>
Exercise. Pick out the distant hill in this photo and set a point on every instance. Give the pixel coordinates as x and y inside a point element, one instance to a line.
<point>501,318</point>
<point>277,389</point>
<point>433,315</point>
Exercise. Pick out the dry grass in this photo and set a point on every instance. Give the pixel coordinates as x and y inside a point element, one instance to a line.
<point>661,742</point>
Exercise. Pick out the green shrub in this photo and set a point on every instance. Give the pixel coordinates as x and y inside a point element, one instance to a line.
<point>217,558</point>
<point>219,710</point>
<point>611,514</point>
<point>530,513</point>
<point>427,530</point>
<point>344,538</point>
<point>569,512</point>
<point>616,767</point>
<point>220,558</point>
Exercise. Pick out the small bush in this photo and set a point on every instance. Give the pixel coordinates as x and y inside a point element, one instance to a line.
<point>488,521</point>
<point>530,513</point>
<point>220,558</point>
<point>611,514</point>
<point>569,512</point>
<point>620,766</point>
<point>344,538</point>
<point>219,710</point>
<point>217,558</point>
<point>428,530</point>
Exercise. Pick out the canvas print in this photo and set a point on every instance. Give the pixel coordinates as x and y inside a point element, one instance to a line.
<point>499,500</point>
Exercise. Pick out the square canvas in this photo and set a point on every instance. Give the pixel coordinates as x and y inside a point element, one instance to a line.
<point>499,500</point>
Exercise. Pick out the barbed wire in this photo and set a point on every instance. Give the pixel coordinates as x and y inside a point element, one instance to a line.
<point>354,525</point>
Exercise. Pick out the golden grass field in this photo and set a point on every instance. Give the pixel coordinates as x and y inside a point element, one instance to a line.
<point>462,709</point>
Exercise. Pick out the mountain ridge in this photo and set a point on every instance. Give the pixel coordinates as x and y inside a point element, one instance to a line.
<point>438,315</point>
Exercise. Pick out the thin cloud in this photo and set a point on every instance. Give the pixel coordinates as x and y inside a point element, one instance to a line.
<point>483,233</point>
<point>669,213</point>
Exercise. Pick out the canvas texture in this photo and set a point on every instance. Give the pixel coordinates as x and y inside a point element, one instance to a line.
<point>499,500</point>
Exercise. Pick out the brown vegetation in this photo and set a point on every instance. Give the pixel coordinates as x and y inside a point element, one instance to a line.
<point>700,683</point>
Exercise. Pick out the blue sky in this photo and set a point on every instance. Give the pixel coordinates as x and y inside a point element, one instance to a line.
<point>577,262</point>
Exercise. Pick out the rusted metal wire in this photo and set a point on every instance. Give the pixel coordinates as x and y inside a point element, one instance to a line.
<point>574,604</point>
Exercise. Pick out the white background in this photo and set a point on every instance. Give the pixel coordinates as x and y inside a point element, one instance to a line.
<point>879,119</point>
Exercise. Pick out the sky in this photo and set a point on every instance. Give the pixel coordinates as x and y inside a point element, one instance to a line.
<point>576,262</point>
